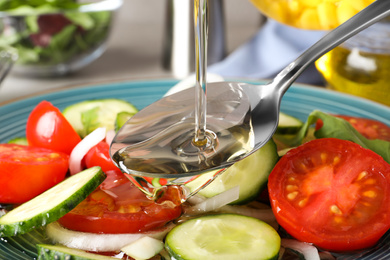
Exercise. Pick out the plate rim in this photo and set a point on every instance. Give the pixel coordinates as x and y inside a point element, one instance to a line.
<point>85,85</point>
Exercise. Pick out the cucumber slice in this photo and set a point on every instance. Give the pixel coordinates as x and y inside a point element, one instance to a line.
<point>88,115</point>
<point>59,252</point>
<point>224,236</point>
<point>52,204</point>
<point>288,124</point>
<point>121,119</point>
<point>19,140</point>
<point>250,174</point>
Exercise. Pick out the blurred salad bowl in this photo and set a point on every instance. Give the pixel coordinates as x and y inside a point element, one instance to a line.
<point>55,37</point>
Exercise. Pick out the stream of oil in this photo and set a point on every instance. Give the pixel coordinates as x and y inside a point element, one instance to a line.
<point>200,140</point>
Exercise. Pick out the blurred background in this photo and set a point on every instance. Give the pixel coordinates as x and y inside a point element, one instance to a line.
<point>154,39</point>
<point>135,48</point>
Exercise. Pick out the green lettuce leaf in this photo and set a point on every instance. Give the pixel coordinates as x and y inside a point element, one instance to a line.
<point>336,127</point>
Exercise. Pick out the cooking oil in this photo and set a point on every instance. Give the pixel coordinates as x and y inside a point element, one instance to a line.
<point>361,66</point>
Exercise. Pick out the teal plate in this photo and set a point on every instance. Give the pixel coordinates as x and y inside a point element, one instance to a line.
<point>299,101</point>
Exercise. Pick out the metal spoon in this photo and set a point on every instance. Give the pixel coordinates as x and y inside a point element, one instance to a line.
<point>231,100</point>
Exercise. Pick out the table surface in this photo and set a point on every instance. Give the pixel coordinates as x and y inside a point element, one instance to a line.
<point>135,48</point>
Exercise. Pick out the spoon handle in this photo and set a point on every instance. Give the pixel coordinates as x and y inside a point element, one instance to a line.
<point>378,10</point>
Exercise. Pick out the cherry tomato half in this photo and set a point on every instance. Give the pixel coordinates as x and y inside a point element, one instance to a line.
<point>47,127</point>
<point>369,128</point>
<point>117,206</point>
<point>26,171</point>
<point>99,155</point>
<point>332,193</point>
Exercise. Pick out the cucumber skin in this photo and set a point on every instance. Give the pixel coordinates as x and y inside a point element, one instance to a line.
<point>263,186</point>
<point>288,124</point>
<point>121,119</point>
<point>179,257</point>
<point>258,184</point>
<point>58,252</point>
<point>44,218</point>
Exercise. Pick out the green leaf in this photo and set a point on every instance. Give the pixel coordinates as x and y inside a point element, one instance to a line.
<point>27,55</point>
<point>32,23</point>
<point>59,44</point>
<point>101,18</point>
<point>342,129</point>
<point>336,127</point>
<point>84,20</point>
<point>7,5</point>
<point>7,40</point>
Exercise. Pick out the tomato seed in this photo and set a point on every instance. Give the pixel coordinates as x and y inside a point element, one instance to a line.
<point>291,187</point>
<point>324,156</point>
<point>292,195</point>
<point>370,181</point>
<point>336,159</point>
<point>370,194</point>
<point>54,155</point>
<point>302,203</point>
<point>361,175</point>
<point>335,210</point>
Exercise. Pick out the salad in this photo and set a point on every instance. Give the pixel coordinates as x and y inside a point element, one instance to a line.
<point>51,32</point>
<point>221,203</point>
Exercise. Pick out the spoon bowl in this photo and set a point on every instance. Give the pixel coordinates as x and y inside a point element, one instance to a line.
<point>254,108</point>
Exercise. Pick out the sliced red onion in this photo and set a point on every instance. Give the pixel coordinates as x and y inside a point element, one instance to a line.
<point>110,136</point>
<point>82,148</point>
<point>98,242</point>
<point>309,251</point>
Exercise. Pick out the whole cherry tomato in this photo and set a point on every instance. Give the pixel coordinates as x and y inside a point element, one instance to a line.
<point>47,127</point>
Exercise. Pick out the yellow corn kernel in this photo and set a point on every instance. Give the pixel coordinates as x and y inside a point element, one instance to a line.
<point>327,15</point>
<point>309,19</point>
<point>345,11</point>
<point>294,8</point>
<point>358,4</point>
<point>310,3</point>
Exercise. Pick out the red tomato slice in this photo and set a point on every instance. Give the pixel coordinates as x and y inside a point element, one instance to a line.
<point>99,155</point>
<point>117,206</point>
<point>25,171</point>
<point>332,193</point>
<point>369,128</point>
<point>48,128</point>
